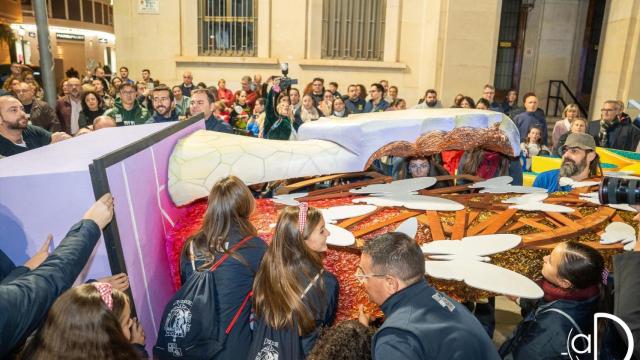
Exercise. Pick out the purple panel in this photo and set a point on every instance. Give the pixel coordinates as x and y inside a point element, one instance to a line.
<point>138,185</point>
<point>33,206</point>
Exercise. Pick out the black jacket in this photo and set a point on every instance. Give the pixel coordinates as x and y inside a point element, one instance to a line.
<point>25,301</point>
<point>626,299</point>
<point>234,280</point>
<point>213,124</point>
<point>422,323</point>
<point>9,270</point>
<point>622,136</point>
<point>543,332</point>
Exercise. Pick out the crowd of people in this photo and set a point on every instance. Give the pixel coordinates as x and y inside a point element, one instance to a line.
<point>257,301</point>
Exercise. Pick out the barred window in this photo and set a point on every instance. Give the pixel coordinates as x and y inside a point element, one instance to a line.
<point>353,29</point>
<point>227,27</point>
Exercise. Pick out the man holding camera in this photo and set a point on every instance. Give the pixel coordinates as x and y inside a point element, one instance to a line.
<point>579,162</point>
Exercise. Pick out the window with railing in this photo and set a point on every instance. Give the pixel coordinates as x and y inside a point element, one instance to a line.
<point>353,29</point>
<point>227,27</point>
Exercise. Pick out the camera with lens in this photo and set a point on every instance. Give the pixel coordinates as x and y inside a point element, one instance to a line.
<point>285,81</point>
<point>620,190</point>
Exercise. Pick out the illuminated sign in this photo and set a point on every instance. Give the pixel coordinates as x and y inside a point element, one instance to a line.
<point>65,36</point>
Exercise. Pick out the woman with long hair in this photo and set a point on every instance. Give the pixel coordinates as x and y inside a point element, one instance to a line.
<point>532,146</point>
<point>227,229</point>
<point>294,296</point>
<point>573,281</point>
<point>92,107</point>
<point>307,112</point>
<point>339,108</point>
<point>91,321</point>
<point>326,105</point>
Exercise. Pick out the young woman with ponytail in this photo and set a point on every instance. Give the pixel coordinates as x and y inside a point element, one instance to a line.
<point>574,279</point>
<point>294,296</point>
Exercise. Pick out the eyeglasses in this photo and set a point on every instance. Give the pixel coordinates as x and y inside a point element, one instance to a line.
<point>130,92</point>
<point>607,110</point>
<point>418,166</point>
<point>361,276</point>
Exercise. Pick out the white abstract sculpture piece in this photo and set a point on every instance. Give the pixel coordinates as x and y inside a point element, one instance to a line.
<point>410,201</point>
<point>325,146</point>
<point>619,232</point>
<point>567,181</point>
<point>466,260</point>
<point>398,186</point>
<point>288,199</point>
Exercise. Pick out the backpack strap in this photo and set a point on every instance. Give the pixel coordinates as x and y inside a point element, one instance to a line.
<point>237,315</point>
<point>315,279</point>
<point>226,255</point>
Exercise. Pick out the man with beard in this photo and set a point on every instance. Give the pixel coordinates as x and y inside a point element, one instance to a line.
<point>430,101</point>
<point>68,108</point>
<point>40,113</point>
<point>163,104</point>
<point>16,135</point>
<point>354,103</point>
<point>202,101</point>
<point>579,162</point>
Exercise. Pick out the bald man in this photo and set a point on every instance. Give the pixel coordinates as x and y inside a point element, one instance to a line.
<point>187,83</point>
<point>103,121</point>
<point>16,135</point>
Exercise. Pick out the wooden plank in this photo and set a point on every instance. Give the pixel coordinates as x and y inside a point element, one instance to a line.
<point>563,220</point>
<point>473,214</point>
<point>616,218</point>
<point>348,222</point>
<point>499,221</point>
<point>402,216</point>
<point>433,221</point>
<point>326,196</point>
<point>353,185</point>
<point>475,230</point>
<point>515,226</point>
<point>460,225</point>
<point>535,224</point>
<point>586,224</point>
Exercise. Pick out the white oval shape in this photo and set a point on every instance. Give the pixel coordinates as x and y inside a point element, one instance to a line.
<point>339,236</point>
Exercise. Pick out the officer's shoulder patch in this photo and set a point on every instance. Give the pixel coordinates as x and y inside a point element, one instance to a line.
<point>443,301</point>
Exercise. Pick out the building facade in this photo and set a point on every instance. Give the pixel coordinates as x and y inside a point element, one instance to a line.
<point>451,46</point>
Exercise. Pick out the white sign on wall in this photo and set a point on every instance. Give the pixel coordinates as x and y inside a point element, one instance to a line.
<point>148,6</point>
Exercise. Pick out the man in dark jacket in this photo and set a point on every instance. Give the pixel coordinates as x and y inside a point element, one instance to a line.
<point>353,102</point>
<point>420,323</point>
<point>377,103</point>
<point>614,132</point>
<point>163,104</point>
<point>25,301</point>
<point>40,113</point>
<point>68,108</point>
<point>16,135</point>
<point>202,102</point>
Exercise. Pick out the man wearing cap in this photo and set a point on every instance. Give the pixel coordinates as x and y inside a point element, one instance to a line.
<point>579,162</point>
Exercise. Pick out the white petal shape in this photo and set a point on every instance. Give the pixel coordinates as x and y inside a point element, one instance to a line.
<point>346,211</point>
<point>398,186</point>
<point>513,189</point>
<point>485,276</point>
<point>416,202</point>
<point>630,246</point>
<point>624,207</point>
<point>527,198</point>
<point>289,199</point>
<point>479,245</point>
<point>291,196</point>
<point>409,227</point>
<point>540,206</point>
<point>499,181</point>
<point>564,181</point>
<point>339,236</point>
<point>618,232</point>
<point>288,202</point>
